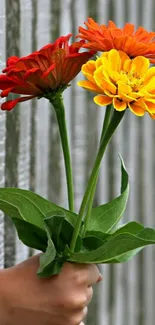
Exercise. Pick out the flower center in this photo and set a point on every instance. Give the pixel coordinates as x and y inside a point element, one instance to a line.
<point>132,79</point>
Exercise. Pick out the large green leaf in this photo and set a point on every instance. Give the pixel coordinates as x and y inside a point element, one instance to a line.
<point>29,206</point>
<point>61,231</point>
<point>48,257</point>
<point>132,227</point>
<point>105,217</point>
<point>30,234</point>
<point>114,248</point>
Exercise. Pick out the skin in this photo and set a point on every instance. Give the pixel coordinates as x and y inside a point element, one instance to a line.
<point>58,300</point>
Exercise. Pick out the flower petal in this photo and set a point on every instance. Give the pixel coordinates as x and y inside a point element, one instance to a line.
<point>89,86</point>
<point>102,100</point>
<point>138,107</point>
<point>140,65</point>
<point>119,105</point>
<point>10,104</point>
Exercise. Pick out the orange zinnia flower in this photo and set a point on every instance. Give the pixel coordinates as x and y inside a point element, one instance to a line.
<point>105,38</point>
<point>42,72</point>
<point>122,82</point>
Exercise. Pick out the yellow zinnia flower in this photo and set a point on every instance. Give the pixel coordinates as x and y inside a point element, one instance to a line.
<point>121,81</point>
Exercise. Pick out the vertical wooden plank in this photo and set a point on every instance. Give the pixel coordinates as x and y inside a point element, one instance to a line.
<point>92,144</point>
<point>12,125</point>
<point>33,39</point>
<point>22,251</point>
<point>55,154</point>
<point>2,127</point>
<point>103,190</point>
<point>42,112</point>
<point>66,28</point>
<point>79,118</point>
<point>148,195</point>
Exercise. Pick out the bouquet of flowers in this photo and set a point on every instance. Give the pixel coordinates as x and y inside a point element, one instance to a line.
<point>121,78</point>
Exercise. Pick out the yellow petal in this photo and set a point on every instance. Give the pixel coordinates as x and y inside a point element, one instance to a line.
<point>119,105</point>
<point>89,86</point>
<point>102,80</point>
<point>149,75</point>
<point>114,59</point>
<point>102,100</point>
<point>88,70</point>
<point>138,107</point>
<point>125,61</point>
<point>140,65</point>
<point>150,86</point>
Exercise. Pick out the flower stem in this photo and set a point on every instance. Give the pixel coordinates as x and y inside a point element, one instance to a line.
<point>58,105</point>
<point>116,118</point>
<point>106,121</point>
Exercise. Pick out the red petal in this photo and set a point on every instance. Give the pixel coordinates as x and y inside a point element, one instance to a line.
<point>10,104</point>
<point>32,72</point>
<point>6,82</point>
<point>46,73</point>
<point>6,92</point>
<point>12,59</point>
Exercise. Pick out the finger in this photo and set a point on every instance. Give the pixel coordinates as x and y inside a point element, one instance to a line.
<point>94,275</point>
<point>89,294</point>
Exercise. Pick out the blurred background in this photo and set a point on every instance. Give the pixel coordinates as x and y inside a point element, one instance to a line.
<point>31,158</point>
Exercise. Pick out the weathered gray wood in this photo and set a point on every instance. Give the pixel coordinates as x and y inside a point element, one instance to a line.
<point>42,111</point>
<point>22,251</point>
<point>12,125</point>
<point>2,128</point>
<point>33,156</point>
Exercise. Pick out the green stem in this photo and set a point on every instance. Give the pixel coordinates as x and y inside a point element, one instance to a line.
<point>106,121</point>
<point>116,118</point>
<point>58,105</point>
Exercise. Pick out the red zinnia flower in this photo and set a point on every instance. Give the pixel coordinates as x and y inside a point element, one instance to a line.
<point>104,38</point>
<point>42,72</point>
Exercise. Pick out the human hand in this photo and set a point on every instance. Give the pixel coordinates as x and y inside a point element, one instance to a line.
<point>59,300</point>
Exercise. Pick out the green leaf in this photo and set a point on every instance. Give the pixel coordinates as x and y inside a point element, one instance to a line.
<point>29,206</point>
<point>105,217</point>
<point>30,234</point>
<point>126,256</point>
<point>53,268</point>
<point>61,231</point>
<point>132,227</point>
<point>48,257</point>
<point>114,248</point>
<point>94,239</point>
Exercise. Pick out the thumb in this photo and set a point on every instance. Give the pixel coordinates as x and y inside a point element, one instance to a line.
<point>99,279</point>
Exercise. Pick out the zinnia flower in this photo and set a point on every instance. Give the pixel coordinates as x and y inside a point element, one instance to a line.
<point>42,72</point>
<point>104,38</point>
<point>121,81</point>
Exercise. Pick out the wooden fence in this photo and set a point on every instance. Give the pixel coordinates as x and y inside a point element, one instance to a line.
<point>30,153</point>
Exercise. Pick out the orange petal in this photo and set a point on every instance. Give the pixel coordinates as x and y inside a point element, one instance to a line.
<point>89,86</point>
<point>138,107</point>
<point>102,100</point>
<point>119,105</point>
<point>150,106</point>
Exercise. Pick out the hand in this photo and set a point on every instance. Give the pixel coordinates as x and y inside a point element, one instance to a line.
<point>59,300</point>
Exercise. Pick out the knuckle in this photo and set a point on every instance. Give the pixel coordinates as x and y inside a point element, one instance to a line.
<point>80,278</point>
<point>77,318</point>
<point>79,301</point>
<point>89,294</point>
